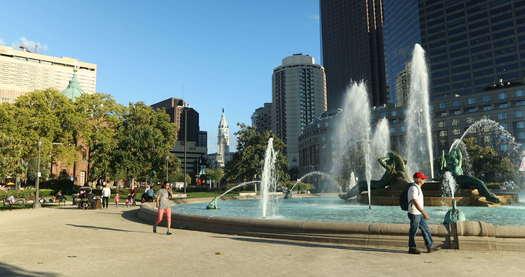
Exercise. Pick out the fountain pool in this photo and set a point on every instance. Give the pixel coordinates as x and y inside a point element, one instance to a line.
<point>333,209</point>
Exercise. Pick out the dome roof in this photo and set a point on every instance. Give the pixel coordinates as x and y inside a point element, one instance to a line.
<point>73,89</point>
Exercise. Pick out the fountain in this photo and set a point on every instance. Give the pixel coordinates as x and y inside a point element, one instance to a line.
<point>353,134</point>
<point>269,182</point>
<point>417,119</point>
<point>213,204</point>
<point>381,172</point>
<point>289,193</point>
<point>380,146</point>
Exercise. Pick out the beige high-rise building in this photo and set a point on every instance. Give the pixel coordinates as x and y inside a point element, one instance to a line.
<point>403,86</point>
<point>22,71</point>
<point>298,97</point>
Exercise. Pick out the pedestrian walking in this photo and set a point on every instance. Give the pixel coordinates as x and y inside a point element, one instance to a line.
<point>418,215</point>
<point>163,205</point>
<point>106,193</point>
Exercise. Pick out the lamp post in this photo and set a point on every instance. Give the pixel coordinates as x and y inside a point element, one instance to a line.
<point>185,145</point>
<point>36,204</point>
<point>167,157</point>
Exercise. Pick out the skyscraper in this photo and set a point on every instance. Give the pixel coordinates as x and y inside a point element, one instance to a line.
<point>472,44</point>
<point>401,32</point>
<point>352,41</point>
<point>262,118</point>
<point>298,97</point>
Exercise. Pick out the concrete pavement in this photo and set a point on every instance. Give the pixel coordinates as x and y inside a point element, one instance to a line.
<point>71,242</point>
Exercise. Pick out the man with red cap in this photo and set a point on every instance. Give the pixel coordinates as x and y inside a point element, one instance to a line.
<point>418,215</point>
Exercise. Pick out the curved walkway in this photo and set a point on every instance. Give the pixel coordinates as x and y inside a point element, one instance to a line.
<point>71,242</point>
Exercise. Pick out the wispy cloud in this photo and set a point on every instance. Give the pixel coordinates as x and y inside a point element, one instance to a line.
<point>33,46</point>
<point>2,42</point>
<point>315,17</point>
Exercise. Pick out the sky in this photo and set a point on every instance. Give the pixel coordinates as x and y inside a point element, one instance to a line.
<point>213,53</point>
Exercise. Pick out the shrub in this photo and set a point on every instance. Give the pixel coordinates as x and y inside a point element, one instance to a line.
<point>65,185</point>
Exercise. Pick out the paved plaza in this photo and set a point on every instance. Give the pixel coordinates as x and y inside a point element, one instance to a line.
<point>112,242</point>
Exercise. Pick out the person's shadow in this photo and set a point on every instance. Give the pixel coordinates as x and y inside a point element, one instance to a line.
<point>11,270</point>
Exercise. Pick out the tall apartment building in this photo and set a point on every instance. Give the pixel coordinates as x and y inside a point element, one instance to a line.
<point>401,32</point>
<point>262,118</point>
<point>471,44</point>
<point>352,42</point>
<point>22,71</point>
<point>298,97</point>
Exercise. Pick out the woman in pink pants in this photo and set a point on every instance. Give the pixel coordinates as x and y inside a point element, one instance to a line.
<point>163,205</point>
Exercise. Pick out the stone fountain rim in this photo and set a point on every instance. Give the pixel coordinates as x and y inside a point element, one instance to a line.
<point>148,213</point>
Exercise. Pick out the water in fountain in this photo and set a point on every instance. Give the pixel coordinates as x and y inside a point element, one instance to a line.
<point>380,146</point>
<point>353,135</point>
<point>269,182</point>
<point>352,182</point>
<point>417,120</point>
<point>498,134</point>
<point>449,185</point>
<point>322,174</point>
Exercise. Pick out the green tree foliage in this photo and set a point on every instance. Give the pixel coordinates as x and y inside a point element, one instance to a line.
<point>122,142</point>
<point>248,161</point>
<point>215,175</point>
<point>145,138</point>
<point>102,115</point>
<point>488,164</point>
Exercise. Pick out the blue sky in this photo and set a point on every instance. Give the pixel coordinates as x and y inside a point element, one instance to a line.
<point>214,53</point>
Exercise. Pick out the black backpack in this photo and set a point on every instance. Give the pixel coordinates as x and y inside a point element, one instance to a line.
<point>403,198</point>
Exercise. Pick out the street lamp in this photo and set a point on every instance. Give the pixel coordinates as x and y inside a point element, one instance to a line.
<point>185,144</point>
<point>36,204</point>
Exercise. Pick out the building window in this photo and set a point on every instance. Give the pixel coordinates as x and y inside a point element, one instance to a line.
<point>456,103</point>
<point>502,95</point>
<point>504,125</point>
<point>444,114</point>
<point>469,120</point>
<point>456,112</point>
<point>519,114</point>
<point>521,135</point>
<point>456,132</point>
<point>488,107</point>
<point>520,103</point>
<point>473,109</point>
<point>519,93</point>
<point>455,122</point>
<point>486,98</point>
<point>442,105</point>
<point>471,100</point>
<point>443,133</point>
<point>520,124</point>
<point>503,106</point>
<point>502,116</point>
<point>441,124</point>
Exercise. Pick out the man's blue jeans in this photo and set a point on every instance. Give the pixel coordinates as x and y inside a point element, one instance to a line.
<point>417,221</point>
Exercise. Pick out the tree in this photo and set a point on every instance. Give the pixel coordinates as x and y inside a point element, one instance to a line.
<point>214,175</point>
<point>487,163</point>
<point>145,137</point>
<point>101,115</point>
<point>248,161</point>
<point>10,143</point>
<point>50,117</point>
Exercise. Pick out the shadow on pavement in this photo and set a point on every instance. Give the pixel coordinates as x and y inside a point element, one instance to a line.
<point>11,270</point>
<point>100,228</point>
<point>307,244</point>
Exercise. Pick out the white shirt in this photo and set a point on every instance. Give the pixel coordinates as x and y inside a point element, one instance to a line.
<point>106,192</point>
<point>415,192</point>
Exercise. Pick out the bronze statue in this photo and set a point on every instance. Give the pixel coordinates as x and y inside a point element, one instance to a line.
<point>453,162</point>
<point>394,178</point>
